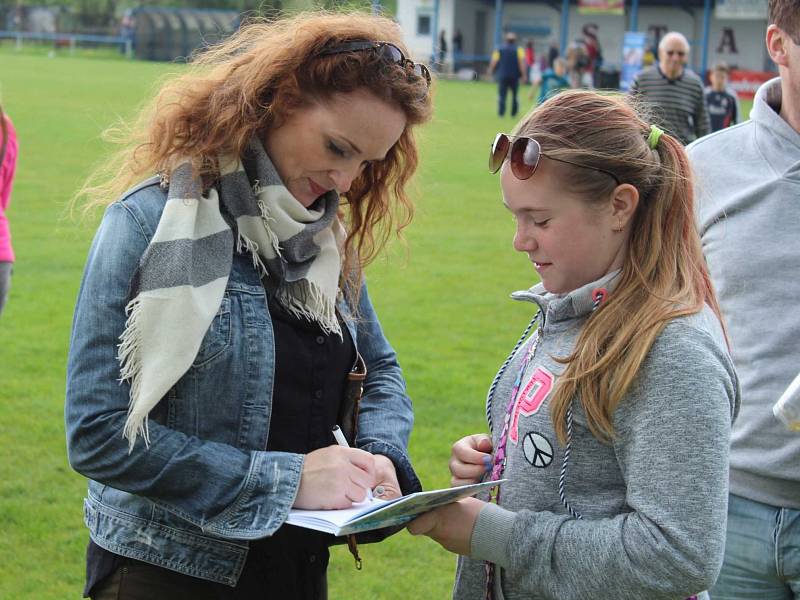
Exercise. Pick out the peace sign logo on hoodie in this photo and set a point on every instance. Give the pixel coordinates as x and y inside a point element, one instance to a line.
<point>538,451</point>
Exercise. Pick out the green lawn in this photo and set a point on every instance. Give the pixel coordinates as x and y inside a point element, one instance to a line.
<point>442,297</point>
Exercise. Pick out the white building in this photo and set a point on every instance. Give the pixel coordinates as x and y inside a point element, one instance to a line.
<point>737,41</point>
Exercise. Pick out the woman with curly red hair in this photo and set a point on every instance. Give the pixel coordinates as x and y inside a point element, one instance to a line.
<point>226,294</point>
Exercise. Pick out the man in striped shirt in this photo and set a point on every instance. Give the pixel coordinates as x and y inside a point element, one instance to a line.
<point>674,92</point>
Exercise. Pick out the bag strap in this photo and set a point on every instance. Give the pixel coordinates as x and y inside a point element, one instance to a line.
<point>354,389</point>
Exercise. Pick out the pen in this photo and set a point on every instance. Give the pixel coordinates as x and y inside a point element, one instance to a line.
<point>342,441</point>
<point>339,436</point>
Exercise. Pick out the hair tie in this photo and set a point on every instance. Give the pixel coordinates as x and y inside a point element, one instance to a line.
<point>655,135</point>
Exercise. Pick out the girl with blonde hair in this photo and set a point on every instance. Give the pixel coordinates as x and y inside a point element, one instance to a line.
<point>611,422</point>
<point>223,327</point>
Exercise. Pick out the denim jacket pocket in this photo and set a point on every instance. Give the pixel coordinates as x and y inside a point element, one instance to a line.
<point>218,336</point>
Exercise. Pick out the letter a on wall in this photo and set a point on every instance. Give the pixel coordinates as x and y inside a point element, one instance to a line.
<point>727,42</point>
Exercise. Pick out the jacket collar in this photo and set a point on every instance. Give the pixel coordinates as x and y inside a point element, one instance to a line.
<point>577,303</point>
<point>775,138</point>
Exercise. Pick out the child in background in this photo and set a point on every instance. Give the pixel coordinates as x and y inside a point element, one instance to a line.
<point>530,57</point>
<point>611,423</point>
<point>552,81</point>
<point>721,103</point>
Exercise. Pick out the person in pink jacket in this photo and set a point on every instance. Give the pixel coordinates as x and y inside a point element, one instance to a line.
<point>8,163</point>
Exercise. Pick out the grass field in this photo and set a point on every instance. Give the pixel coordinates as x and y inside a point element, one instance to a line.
<point>443,301</point>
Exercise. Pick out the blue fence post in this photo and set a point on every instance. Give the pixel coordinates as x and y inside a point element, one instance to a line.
<point>564,27</point>
<point>498,22</point>
<point>706,27</point>
<point>634,26</point>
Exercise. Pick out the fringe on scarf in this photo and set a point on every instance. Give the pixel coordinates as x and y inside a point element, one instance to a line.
<point>304,299</point>
<point>268,221</point>
<point>245,243</point>
<point>129,357</point>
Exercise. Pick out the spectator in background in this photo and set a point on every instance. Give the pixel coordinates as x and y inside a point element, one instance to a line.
<point>577,62</point>
<point>595,53</point>
<point>8,164</point>
<point>442,48</point>
<point>674,92</point>
<point>458,41</point>
<point>721,104</point>
<point>458,48</point>
<point>552,81</point>
<point>508,65</point>
<point>530,59</point>
<point>553,52</point>
<point>748,211</point>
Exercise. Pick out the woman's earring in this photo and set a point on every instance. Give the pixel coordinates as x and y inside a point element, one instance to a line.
<point>620,228</point>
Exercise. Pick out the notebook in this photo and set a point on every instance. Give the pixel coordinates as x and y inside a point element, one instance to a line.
<point>376,513</point>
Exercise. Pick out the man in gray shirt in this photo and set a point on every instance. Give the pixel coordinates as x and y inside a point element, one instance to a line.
<point>748,193</point>
<point>673,92</point>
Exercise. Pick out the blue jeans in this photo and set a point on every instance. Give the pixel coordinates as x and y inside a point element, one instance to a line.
<point>5,281</point>
<point>762,553</point>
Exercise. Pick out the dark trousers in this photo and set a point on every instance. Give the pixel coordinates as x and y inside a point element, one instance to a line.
<point>505,85</point>
<point>303,578</point>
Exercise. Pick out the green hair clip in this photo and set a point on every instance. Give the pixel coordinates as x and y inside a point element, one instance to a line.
<point>655,135</point>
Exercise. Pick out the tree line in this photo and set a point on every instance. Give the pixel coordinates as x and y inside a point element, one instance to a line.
<point>83,15</point>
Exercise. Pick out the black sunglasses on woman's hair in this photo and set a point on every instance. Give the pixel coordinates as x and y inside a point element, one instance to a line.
<point>525,155</point>
<point>387,51</point>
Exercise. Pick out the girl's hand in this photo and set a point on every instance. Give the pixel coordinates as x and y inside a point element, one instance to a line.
<point>335,477</point>
<point>451,525</point>
<point>470,459</point>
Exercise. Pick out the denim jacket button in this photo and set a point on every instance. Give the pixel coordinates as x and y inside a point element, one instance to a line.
<point>318,394</point>
<point>320,340</point>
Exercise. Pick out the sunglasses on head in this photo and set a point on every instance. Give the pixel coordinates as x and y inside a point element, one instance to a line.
<point>387,51</point>
<point>525,155</point>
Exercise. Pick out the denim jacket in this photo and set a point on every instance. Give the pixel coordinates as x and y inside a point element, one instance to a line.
<point>206,485</point>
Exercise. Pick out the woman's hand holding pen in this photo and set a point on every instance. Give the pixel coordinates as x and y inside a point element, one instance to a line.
<point>387,486</point>
<point>470,459</point>
<point>335,477</point>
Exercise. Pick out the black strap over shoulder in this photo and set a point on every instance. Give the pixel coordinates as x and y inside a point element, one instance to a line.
<point>349,422</point>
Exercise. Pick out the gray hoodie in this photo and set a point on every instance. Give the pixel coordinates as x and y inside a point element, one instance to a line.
<point>653,502</point>
<point>748,198</point>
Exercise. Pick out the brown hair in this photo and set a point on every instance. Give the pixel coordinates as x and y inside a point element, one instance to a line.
<point>664,275</point>
<point>250,83</point>
<point>786,15</point>
<point>722,67</point>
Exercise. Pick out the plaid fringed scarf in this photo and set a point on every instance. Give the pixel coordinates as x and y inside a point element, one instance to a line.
<point>181,278</point>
